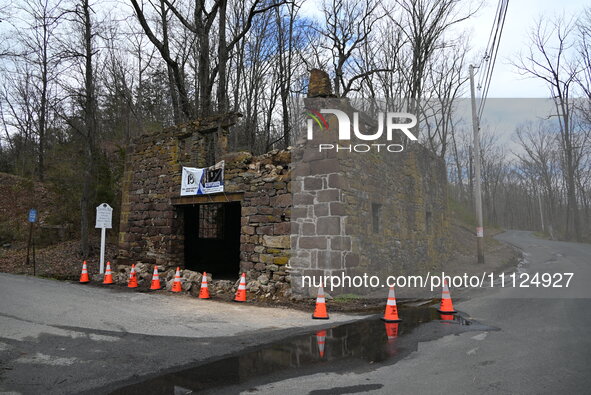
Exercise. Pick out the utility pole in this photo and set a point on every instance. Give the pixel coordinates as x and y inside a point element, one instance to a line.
<point>541,210</point>
<point>477,188</point>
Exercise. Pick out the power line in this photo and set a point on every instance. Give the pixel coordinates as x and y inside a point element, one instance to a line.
<point>492,51</point>
<point>492,42</point>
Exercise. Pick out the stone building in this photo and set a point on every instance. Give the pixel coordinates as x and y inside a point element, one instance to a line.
<point>283,214</point>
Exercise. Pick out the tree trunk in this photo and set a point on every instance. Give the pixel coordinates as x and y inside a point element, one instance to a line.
<point>203,70</point>
<point>90,129</point>
<point>171,83</point>
<point>222,95</point>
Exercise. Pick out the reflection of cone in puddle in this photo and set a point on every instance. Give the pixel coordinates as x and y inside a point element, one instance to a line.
<point>391,331</point>
<point>447,317</point>
<point>321,340</point>
<point>392,334</point>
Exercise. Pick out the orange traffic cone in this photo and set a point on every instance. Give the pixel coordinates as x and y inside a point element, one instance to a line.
<point>446,305</point>
<point>132,282</point>
<point>155,279</point>
<point>176,285</point>
<point>320,311</point>
<point>241,292</point>
<point>391,314</point>
<point>321,340</point>
<point>204,290</point>
<point>108,275</point>
<point>84,275</point>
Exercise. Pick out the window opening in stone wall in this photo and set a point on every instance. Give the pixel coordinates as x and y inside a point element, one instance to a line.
<point>428,221</point>
<point>375,215</point>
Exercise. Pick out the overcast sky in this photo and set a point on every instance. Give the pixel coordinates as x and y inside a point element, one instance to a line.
<point>521,15</point>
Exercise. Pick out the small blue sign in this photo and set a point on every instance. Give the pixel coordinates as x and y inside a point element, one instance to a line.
<point>32,215</point>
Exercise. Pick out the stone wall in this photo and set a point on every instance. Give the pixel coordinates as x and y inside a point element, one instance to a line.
<point>150,229</point>
<point>152,226</point>
<point>376,213</point>
<point>313,210</point>
<point>266,216</point>
<point>408,192</point>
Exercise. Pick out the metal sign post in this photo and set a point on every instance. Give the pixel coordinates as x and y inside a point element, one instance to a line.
<point>104,217</point>
<point>32,218</point>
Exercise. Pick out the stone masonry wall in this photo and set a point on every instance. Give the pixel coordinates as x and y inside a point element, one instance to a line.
<point>266,216</point>
<point>336,193</point>
<point>313,210</point>
<point>152,228</point>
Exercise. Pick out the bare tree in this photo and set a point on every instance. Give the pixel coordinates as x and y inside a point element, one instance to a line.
<point>83,120</point>
<point>424,23</point>
<point>541,156</point>
<point>547,58</point>
<point>163,46</point>
<point>35,44</point>
<point>348,25</point>
<point>287,40</point>
<point>445,79</point>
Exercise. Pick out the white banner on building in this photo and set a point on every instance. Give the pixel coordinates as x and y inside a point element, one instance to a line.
<point>201,181</point>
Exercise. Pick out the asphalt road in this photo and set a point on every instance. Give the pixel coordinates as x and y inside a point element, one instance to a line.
<point>543,345</point>
<point>60,337</point>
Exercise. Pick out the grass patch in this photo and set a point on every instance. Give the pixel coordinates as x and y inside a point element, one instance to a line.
<point>462,213</point>
<point>346,297</point>
<point>541,235</point>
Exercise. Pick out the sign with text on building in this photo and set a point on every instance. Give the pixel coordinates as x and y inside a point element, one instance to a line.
<point>104,216</point>
<point>201,181</point>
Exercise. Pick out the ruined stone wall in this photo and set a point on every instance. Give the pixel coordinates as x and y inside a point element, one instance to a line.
<point>407,233</point>
<point>321,244</point>
<point>310,209</point>
<point>266,216</point>
<point>152,228</point>
<point>336,193</point>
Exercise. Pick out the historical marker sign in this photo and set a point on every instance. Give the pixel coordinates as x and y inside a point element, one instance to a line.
<point>104,216</point>
<point>104,221</point>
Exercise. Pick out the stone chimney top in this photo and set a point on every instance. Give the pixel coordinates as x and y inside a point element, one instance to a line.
<point>319,85</point>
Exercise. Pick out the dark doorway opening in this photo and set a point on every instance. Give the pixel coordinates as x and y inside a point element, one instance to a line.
<point>212,239</point>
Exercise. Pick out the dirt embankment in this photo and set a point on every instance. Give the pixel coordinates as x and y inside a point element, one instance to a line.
<point>498,256</point>
<point>61,261</point>
<point>17,196</point>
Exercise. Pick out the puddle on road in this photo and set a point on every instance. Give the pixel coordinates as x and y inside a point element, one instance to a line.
<point>359,345</point>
